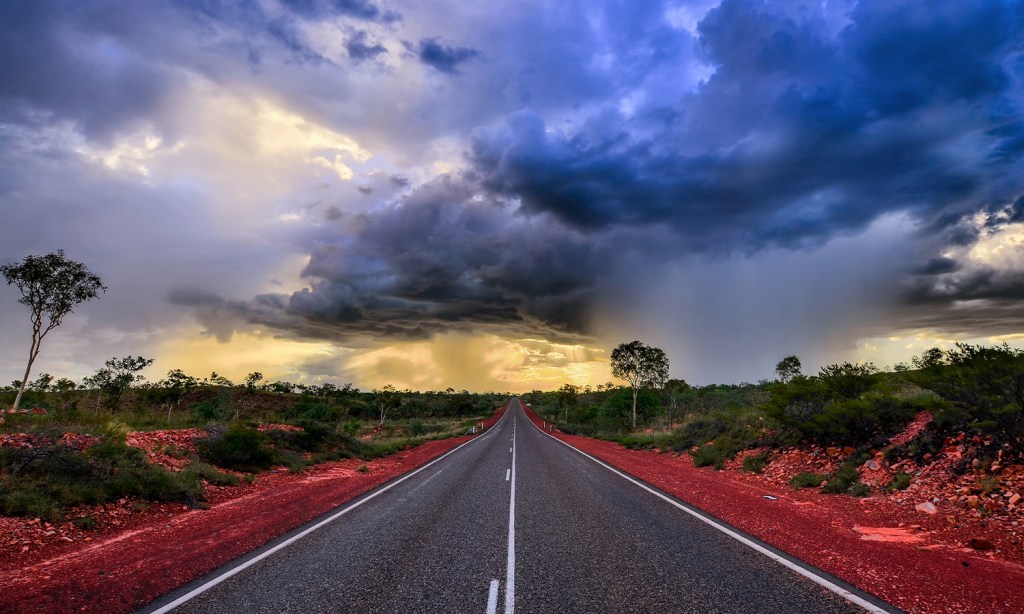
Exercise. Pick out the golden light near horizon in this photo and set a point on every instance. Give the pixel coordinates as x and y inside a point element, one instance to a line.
<point>477,363</point>
<point>274,357</point>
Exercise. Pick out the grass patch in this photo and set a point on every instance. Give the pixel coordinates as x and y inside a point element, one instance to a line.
<point>709,455</point>
<point>211,475</point>
<point>807,479</point>
<point>842,480</point>
<point>644,441</point>
<point>755,463</point>
<point>900,481</point>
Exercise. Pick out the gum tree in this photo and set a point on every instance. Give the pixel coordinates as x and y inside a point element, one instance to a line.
<point>51,286</point>
<point>641,366</point>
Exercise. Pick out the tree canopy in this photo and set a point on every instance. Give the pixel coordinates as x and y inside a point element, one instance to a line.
<point>641,366</point>
<point>51,286</point>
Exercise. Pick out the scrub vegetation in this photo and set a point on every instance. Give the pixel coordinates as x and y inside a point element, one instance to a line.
<point>975,390</point>
<point>67,448</point>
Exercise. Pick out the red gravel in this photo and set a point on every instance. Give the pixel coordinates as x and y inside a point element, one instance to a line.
<point>910,559</point>
<point>142,551</point>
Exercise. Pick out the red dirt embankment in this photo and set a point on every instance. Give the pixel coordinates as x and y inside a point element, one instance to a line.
<point>866,542</point>
<point>142,553</point>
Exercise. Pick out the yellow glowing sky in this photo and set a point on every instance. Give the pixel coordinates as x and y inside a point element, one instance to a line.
<point>461,361</point>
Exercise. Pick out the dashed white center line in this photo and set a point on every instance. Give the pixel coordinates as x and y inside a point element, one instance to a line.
<point>508,472</point>
<point>492,598</point>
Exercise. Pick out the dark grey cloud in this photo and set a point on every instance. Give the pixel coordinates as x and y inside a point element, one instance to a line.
<point>437,261</point>
<point>360,48</point>
<point>599,138</point>
<point>963,294</point>
<point>445,58</point>
<point>797,136</point>
<point>50,69</point>
<point>806,127</point>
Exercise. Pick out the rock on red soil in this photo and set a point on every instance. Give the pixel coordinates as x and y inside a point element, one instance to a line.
<point>142,550</point>
<point>917,562</point>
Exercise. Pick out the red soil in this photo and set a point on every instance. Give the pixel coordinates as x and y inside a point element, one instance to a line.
<point>142,551</point>
<point>916,561</point>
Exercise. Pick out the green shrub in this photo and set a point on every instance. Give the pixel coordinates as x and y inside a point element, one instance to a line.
<point>755,463</point>
<point>48,477</point>
<point>416,428</point>
<point>860,489</point>
<point>843,480</point>
<point>240,448</point>
<point>900,481</point>
<point>709,455</point>
<point>699,431</point>
<point>352,427</point>
<point>816,412</point>
<point>209,411</point>
<point>982,386</point>
<point>807,479</point>
<point>211,475</point>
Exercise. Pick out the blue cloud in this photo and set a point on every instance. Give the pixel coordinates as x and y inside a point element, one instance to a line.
<point>444,58</point>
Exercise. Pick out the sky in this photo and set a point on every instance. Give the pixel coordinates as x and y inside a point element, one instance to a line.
<point>493,195</point>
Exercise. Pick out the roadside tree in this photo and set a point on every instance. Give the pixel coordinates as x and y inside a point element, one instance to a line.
<point>641,365</point>
<point>177,384</point>
<point>788,368</point>
<point>386,399</point>
<point>51,286</point>
<point>674,389</point>
<point>118,375</point>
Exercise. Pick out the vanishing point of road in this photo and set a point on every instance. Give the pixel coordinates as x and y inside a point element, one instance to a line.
<point>515,521</point>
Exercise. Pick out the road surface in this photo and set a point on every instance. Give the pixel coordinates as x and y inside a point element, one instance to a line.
<point>513,521</point>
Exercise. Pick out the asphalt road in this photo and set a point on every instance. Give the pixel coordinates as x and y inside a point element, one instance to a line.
<point>511,521</point>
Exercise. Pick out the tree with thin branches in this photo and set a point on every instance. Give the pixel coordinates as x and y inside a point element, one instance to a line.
<point>51,286</point>
<point>641,366</point>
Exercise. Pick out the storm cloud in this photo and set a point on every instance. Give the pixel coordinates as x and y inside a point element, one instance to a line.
<point>581,172</point>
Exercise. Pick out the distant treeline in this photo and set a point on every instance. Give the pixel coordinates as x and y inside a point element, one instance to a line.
<point>180,399</point>
<point>972,389</point>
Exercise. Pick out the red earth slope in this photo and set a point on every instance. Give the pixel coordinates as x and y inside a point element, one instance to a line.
<point>862,541</point>
<point>140,555</point>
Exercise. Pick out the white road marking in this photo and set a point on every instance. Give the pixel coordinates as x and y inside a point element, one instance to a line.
<point>492,598</point>
<point>510,568</point>
<point>807,573</point>
<point>507,473</point>
<point>291,540</point>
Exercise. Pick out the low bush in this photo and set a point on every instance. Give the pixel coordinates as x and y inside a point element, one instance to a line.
<point>900,481</point>
<point>239,447</point>
<point>211,475</point>
<point>755,463</point>
<point>807,479</point>
<point>709,455</point>
<point>49,477</point>
<point>843,480</point>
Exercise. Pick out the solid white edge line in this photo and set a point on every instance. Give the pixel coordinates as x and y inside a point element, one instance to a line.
<point>510,568</point>
<point>807,573</point>
<point>492,598</point>
<point>256,559</point>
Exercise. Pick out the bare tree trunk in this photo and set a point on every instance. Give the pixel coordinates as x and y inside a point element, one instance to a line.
<point>32,353</point>
<point>634,408</point>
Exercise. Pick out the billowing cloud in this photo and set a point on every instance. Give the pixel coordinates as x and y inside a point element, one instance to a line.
<point>726,179</point>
